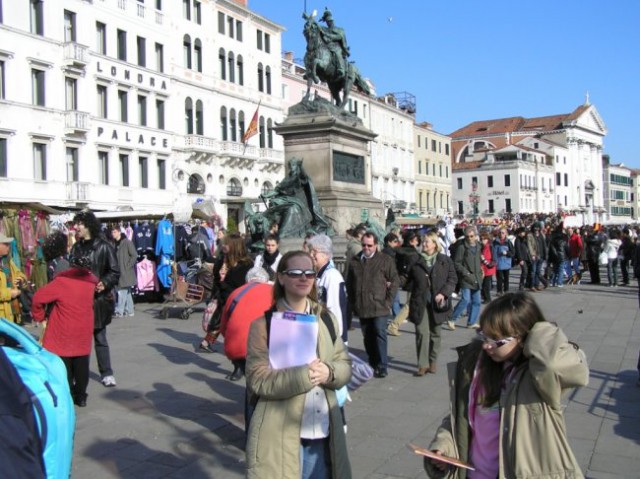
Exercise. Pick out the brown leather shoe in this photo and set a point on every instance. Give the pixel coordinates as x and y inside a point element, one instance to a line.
<point>421,372</point>
<point>432,368</point>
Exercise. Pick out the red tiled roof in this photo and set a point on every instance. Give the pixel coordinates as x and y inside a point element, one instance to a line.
<point>517,123</point>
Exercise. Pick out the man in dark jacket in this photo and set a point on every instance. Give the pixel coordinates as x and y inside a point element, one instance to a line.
<point>104,264</point>
<point>468,266</point>
<point>127,260</point>
<point>372,285</point>
<point>537,245</point>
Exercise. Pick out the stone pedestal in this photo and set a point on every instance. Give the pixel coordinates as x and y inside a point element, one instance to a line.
<point>335,153</point>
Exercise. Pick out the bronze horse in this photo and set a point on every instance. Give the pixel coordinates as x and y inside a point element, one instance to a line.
<point>320,66</point>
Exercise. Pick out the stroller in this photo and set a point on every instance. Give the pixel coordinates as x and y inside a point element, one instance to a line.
<point>192,283</point>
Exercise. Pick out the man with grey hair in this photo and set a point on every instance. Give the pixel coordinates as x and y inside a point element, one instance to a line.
<point>468,266</point>
<point>330,283</point>
<point>244,305</point>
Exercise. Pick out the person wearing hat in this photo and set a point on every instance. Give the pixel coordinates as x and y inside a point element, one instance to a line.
<point>336,41</point>
<point>11,278</point>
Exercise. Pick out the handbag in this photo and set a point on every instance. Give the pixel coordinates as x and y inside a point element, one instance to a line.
<point>442,306</point>
<point>361,372</point>
<point>208,314</point>
<point>603,258</point>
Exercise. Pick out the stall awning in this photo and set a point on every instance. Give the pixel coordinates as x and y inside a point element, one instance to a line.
<point>30,206</point>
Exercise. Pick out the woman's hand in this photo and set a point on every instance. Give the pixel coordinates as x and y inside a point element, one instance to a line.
<point>441,466</point>
<point>319,372</point>
<point>15,292</point>
<point>439,298</point>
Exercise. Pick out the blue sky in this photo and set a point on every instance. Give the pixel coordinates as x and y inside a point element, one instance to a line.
<point>468,60</point>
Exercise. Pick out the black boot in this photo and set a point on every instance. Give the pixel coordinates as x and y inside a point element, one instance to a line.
<point>236,375</point>
<point>80,400</point>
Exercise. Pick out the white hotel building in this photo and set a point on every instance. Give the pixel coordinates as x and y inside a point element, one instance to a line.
<point>125,104</point>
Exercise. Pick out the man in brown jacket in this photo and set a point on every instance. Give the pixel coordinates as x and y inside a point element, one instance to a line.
<point>372,285</point>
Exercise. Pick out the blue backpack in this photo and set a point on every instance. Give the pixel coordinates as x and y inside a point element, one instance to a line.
<point>45,376</point>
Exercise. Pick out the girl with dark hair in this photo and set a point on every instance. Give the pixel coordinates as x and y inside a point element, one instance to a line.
<point>296,430</point>
<point>229,273</point>
<point>54,251</point>
<point>509,384</point>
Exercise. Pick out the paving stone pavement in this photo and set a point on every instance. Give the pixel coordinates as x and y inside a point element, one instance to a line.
<point>174,415</point>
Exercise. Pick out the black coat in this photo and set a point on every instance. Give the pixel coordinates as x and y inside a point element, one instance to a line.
<point>558,247</point>
<point>104,264</point>
<point>521,249</point>
<point>425,286</point>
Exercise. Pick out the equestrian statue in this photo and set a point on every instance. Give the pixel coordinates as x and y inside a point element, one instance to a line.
<point>326,59</point>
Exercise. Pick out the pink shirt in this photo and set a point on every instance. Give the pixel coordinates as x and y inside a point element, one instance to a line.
<point>484,452</point>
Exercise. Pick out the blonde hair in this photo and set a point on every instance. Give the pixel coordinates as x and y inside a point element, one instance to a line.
<point>433,236</point>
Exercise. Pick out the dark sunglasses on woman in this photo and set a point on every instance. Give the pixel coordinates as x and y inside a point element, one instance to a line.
<point>298,273</point>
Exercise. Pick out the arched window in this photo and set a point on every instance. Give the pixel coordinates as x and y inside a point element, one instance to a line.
<point>266,187</point>
<point>196,184</point>
<point>199,118</point>
<point>268,80</point>
<point>262,131</point>
<point>232,67</point>
<point>186,48</point>
<point>197,52</point>
<point>241,124</point>
<point>260,77</point>
<point>223,123</point>
<point>269,133</point>
<point>222,62</point>
<point>234,188</point>
<point>188,116</point>
<point>240,64</point>
<point>232,125</point>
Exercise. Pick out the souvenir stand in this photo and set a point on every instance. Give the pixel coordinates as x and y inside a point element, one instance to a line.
<point>181,291</point>
<point>29,224</point>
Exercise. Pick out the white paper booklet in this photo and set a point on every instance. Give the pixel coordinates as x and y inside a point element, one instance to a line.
<point>293,339</point>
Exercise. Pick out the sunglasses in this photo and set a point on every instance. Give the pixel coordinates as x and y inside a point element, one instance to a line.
<point>298,273</point>
<point>495,343</point>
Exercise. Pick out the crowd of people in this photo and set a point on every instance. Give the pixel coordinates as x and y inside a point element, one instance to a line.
<point>516,355</point>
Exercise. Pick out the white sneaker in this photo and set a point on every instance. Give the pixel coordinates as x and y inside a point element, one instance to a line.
<point>451,325</point>
<point>108,381</point>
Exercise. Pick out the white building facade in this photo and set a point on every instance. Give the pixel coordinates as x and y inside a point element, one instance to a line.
<point>131,105</point>
<point>571,144</point>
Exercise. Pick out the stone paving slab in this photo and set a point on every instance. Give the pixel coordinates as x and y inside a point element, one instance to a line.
<point>174,415</point>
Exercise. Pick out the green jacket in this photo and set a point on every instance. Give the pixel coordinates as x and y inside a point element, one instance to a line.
<point>468,266</point>
<point>273,441</point>
<point>536,445</point>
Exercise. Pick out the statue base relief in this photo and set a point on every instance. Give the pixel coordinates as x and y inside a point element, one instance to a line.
<point>336,156</point>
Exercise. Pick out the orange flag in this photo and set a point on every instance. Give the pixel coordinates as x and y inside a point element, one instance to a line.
<point>253,127</point>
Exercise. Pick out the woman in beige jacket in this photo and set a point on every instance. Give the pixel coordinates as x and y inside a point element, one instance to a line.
<point>297,430</point>
<point>506,408</point>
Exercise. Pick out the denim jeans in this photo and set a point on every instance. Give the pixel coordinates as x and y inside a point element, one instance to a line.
<point>557,277</point>
<point>315,457</point>
<point>124,305</point>
<point>536,269</point>
<point>612,271</point>
<point>471,296</point>
<point>374,332</point>
<point>395,308</point>
<point>574,266</point>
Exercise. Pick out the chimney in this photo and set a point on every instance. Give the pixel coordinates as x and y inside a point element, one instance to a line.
<point>288,56</point>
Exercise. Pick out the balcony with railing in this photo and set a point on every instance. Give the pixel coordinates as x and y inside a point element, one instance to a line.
<point>203,149</point>
<point>77,121</point>
<point>76,55</point>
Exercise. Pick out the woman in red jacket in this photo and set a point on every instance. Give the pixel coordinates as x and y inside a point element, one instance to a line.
<point>69,331</point>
